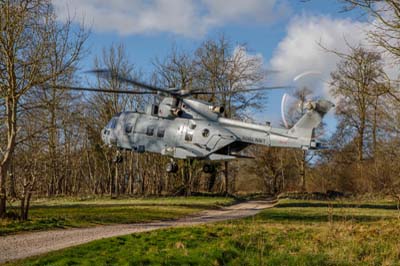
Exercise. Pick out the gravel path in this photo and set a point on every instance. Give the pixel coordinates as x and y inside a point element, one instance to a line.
<point>30,244</point>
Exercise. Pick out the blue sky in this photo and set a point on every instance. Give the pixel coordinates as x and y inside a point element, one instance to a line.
<point>285,33</point>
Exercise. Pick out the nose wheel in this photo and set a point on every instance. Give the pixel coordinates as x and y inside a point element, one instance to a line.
<point>171,167</point>
<point>118,158</point>
<point>208,168</point>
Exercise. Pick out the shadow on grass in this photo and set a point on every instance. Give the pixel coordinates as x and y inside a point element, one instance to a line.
<point>336,205</point>
<point>127,205</point>
<point>335,211</point>
<point>304,217</point>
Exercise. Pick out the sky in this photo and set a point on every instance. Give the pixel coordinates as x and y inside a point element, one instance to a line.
<point>287,34</point>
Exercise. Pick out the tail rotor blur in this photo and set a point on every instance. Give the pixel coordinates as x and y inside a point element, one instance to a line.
<point>297,101</point>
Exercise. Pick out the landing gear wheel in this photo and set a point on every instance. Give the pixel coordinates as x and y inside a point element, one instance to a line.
<point>118,158</point>
<point>207,168</point>
<point>171,167</point>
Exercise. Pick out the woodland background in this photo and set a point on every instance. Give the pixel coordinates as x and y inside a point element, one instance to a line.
<point>50,138</point>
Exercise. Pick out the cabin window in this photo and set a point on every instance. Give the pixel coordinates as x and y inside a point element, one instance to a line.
<point>205,132</point>
<point>154,111</point>
<point>150,131</point>
<point>141,148</point>
<point>192,124</point>
<point>189,136</point>
<point>160,132</point>
<point>128,128</point>
<point>109,124</point>
<point>113,122</point>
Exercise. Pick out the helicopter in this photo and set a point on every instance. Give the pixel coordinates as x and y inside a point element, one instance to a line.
<point>182,127</point>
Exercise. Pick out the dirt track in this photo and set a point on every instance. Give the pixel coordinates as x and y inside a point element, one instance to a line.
<point>30,244</point>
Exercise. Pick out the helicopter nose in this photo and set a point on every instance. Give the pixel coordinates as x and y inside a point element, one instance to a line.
<point>104,138</point>
<point>102,135</point>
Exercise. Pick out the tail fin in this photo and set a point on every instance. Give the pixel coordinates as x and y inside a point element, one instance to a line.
<point>309,121</point>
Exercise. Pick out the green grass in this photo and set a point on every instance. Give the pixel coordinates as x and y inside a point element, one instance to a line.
<point>177,201</point>
<point>293,233</point>
<point>67,212</point>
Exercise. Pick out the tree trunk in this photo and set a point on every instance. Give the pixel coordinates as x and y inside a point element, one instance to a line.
<point>211,181</point>
<point>187,174</point>
<point>374,126</point>
<point>275,188</point>
<point>360,140</point>
<point>11,175</point>
<point>52,149</point>
<point>130,181</point>
<point>303,171</point>
<point>3,197</point>
<point>27,206</point>
<point>115,190</point>
<point>11,111</point>
<point>25,201</point>
<point>226,173</point>
<point>360,148</point>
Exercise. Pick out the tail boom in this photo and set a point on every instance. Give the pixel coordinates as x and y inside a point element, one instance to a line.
<point>301,134</point>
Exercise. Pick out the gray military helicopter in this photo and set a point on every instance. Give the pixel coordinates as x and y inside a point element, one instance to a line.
<point>182,127</point>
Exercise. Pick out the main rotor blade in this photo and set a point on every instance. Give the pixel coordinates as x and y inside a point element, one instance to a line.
<point>236,91</point>
<point>105,73</point>
<point>101,90</point>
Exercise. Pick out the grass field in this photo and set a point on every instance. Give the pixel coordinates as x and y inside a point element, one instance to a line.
<point>70,212</point>
<point>293,233</point>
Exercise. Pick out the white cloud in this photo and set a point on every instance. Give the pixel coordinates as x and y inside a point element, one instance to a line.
<point>303,49</point>
<point>222,11</point>
<point>130,17</point>
<point>251,65</point>
<point>183,17</point>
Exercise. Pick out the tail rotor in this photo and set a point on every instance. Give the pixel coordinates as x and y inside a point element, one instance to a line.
<point>303,108</point>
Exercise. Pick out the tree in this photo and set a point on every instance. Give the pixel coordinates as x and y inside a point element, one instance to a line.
<point>102,107</point>
<point>222,68</point>
<point>295,111</point>
<point>386,32</point>
<point>219,67</point>
<point>360,86</point>
<point>357,83</point>
<point>29,32</point>
<point>177,70</point>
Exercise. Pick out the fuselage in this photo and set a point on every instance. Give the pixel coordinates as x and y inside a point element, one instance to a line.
<point>184,138</point>
<point>190,128</point>
<point>179,137</point>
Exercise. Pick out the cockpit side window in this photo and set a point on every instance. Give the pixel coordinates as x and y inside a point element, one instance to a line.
<point>109,124</point>
<point>150,131</point>
<point>154,111</point>
<point>128,128</point>
<point>160,132</point>
<point>189,136</point>
<point>113,122</point>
